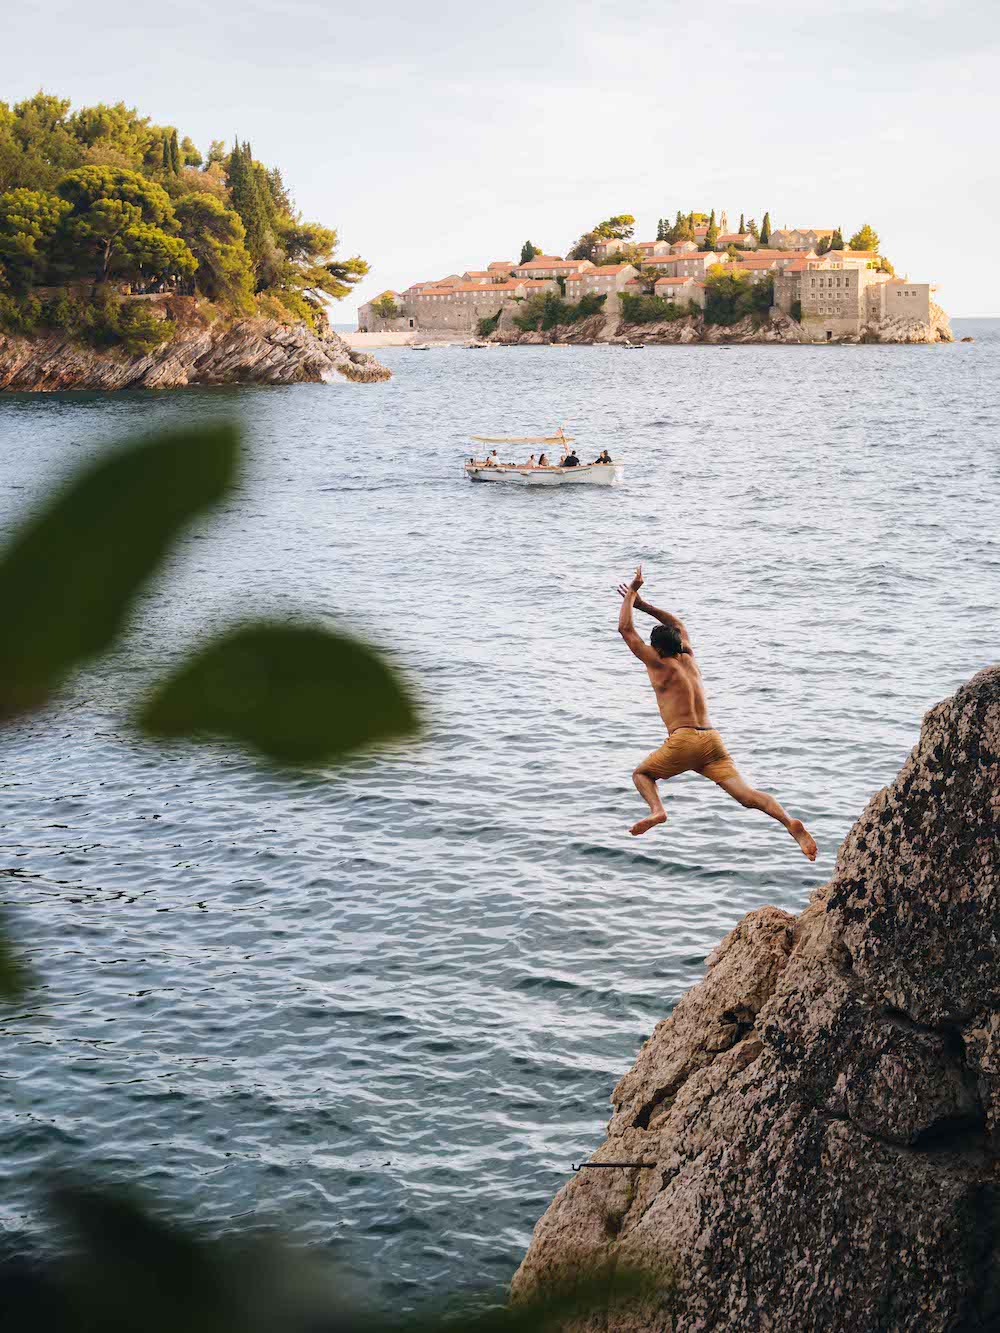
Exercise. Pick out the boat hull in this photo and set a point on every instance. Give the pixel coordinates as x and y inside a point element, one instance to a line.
<point>587,474</point>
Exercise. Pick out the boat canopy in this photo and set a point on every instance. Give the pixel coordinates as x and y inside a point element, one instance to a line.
<point>523,439</point>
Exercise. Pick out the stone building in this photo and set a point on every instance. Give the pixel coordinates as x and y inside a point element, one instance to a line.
<point>452,307</point>
<point>605,280</point>
<point>551,266</point>
<point>744,240</point>
<point>837,295</point>
<point>799,238</point>
<point>691,264</point>
<point>680,291</point>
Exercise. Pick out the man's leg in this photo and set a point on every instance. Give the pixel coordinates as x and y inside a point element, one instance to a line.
<point>753,799</point>
<point>646,787</point>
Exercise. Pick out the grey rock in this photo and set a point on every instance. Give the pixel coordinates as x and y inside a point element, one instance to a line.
<point>824,1107</point>
<point>246,351</point>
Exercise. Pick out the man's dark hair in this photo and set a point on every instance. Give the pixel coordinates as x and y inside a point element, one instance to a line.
<point>666,640</point>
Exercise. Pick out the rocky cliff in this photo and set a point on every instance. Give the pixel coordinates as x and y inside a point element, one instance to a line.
<point>823,1109</point>
<point>780,328</point>
<point>248,351</point>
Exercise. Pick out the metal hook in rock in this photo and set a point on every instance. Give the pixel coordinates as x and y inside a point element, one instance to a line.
<point>608,1166</point>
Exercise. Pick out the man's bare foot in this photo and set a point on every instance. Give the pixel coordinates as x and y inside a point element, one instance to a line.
<point>804,838</point>
<point>644,825</point>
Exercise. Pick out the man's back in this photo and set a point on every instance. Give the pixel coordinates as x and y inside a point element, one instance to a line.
<point>680,692</point>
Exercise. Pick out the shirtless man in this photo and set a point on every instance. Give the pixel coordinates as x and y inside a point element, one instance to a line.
<point>692,743</point>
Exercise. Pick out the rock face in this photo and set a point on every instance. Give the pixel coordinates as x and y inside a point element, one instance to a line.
<point>823,1109</point>
<point>911,330</point>
<point>249,351</point>
<point>779,328</point>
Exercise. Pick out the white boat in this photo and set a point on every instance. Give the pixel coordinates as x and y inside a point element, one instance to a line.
<point>420,347</point>
<point>631,346</point>
<point>519,474</point>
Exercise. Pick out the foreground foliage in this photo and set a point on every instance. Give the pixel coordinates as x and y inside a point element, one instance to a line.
<point>70,578</point>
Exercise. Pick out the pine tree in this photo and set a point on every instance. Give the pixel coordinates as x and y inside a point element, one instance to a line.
<point>865,238</point>
<point>175,154</point>
<point>528,252</point>
<point>752,229</point>
<point>742,226</point>
<point>765,229</point>
<point>661,229</point>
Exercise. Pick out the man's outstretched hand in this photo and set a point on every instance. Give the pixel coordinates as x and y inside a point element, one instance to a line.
<point>637,581</point>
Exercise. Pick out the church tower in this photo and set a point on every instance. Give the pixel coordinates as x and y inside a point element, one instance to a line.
<point>723,224</point>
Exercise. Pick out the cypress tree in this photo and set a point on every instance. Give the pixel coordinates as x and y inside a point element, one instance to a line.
<point>712,235</point>
<point>247,201</point>
<point>765,229</point>
<point>742,227</point>
<point>175,154</point>
<point>166,153</point>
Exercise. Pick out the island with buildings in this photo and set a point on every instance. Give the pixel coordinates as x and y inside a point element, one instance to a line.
<point>697,282</point>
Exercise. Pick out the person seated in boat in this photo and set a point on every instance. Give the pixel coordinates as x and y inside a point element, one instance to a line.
<point>543,461</point>
<point>570,460</point>
<point>603,457</point>
<point>491,459</point>
<point>530,462</point>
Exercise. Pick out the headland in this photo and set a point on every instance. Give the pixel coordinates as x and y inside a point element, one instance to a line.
<point>129,258</point>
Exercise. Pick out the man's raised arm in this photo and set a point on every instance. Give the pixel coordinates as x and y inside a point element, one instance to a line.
<point>626,628</point>
<point>664,617</point>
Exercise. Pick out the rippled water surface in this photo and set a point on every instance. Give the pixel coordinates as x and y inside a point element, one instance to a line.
<point>388,1007</point>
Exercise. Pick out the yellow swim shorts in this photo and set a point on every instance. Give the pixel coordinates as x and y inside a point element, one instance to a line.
<point>689,749</point>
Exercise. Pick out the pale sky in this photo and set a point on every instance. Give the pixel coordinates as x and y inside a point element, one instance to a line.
<point>439,137</point>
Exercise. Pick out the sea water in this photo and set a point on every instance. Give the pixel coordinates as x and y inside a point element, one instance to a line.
<point>384,1008</point>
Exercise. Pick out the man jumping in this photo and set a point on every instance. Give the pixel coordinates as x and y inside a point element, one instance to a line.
<point>692,742</point>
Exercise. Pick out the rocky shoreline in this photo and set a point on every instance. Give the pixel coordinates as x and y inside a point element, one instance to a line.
<point>245,351</point>
<point>780,329</point>
<point>821,1113</point>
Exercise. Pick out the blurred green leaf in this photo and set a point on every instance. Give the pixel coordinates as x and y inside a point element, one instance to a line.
<point>134,1271</point>
<point>298,695</point>
<point>69,577</point>
<point>13,977</point>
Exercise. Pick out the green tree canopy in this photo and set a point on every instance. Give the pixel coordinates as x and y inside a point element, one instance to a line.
<point>385,306</point>
<point>528,252</point>
<point>619,228</point>
<point>214,235</point>
<point>89,185</point>
<point>29,220</point>
<point>765,229</point>
<point>108,194</point>
<point>837,240</point>
<point>742,226</point>
<point>865,238</point>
